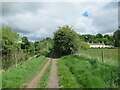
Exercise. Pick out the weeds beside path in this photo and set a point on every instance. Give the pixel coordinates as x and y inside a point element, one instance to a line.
<point>35,81</point>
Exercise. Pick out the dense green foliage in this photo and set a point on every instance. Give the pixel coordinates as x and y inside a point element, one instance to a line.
<point>106,39</point>
<point>44,47</point>
<point>117,38</point>
<point>11,51</point>
<point>89,73</point>
<point>45,79</point>
<point>66,41</point>
<point>84,45</point>
<point>16,49</point>
<point>15,77</point>
<point>27,46</point>
<point>98,38</point>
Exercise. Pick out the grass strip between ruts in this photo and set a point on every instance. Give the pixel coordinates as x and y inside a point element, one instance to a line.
<point>44,80</point>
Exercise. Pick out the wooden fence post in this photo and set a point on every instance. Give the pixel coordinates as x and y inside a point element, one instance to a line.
<point>102,56</point>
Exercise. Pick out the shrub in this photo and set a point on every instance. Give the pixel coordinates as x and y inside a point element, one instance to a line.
<point>66,41</point>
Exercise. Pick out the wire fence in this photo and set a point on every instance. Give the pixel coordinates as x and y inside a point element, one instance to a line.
<point>103,55</point>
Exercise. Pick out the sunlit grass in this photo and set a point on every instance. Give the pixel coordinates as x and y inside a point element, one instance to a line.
<point>0,79</point>
<point>88,72</point>
<point>20,76</point>
<point>66,78</point>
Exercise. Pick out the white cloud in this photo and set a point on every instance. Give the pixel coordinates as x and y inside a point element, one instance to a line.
<point>84,25</point>
<point>42,19</point>
<point>60,0</point>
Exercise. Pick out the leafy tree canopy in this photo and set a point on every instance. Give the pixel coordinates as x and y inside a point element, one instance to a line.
<point>66,41</point>
<point>116,37</point>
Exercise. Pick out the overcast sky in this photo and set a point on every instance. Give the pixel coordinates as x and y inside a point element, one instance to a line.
<point>38,20</point>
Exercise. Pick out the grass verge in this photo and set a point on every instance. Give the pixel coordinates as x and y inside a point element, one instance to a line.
<point>23,74</point>
<point>66,79</point>
<point>88,72</point>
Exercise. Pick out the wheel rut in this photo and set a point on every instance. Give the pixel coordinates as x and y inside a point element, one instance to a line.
<point>35,81</point>
<point>53,81</point>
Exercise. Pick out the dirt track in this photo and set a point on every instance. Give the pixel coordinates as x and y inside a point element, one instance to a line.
<point>35,81</point>
<point>53,82</point>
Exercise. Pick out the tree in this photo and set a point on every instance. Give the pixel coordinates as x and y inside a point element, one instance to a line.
<point>31,48</point>
<point>107,36</point>
<point>85,45</point>
<point>116,37</point>
<point>37,47</point>
<point>66,41</point>
<point>25,44</point>
<point>44,47</point>
<point>9,47</point>
<point>108,39</point>
<point>99,35</point>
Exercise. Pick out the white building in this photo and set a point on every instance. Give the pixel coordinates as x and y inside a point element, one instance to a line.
<point>99,45</point>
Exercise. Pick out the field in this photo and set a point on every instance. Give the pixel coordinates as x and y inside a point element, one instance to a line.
<point>19,77</point>
<point>79,71</point>
<point>110,55</point>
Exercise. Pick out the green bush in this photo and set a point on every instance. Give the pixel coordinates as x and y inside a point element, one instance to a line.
<point>66,41</point>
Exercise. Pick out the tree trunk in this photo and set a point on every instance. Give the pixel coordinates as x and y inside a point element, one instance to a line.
<point>15,60</point>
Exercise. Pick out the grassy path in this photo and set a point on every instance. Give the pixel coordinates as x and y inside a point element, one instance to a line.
<point>35,81</point>
<point>53,82</point>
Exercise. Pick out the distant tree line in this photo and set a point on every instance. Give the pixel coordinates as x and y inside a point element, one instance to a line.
<point>98,38</point>
<point>106,39</point>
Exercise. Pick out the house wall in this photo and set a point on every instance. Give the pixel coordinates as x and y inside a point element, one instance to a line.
<point>100,46</point>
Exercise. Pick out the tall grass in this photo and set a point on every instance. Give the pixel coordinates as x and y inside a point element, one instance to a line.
<point>89,73</point>
<point>0,79</point>
<point>110,55</point>
<point>20,76</point>
<point>66,78</point>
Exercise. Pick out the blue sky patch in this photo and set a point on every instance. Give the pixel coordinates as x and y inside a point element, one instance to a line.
<point>85,14</point>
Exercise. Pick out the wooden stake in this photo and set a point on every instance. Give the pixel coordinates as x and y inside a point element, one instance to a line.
<point>102,56</point>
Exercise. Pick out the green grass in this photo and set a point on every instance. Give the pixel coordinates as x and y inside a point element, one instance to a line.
<point>66,79</point>
<point>0,80</point>
<point>23,74</point>
<point>89,73</point>
<point>44,80</point>
<point>110,55</point>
